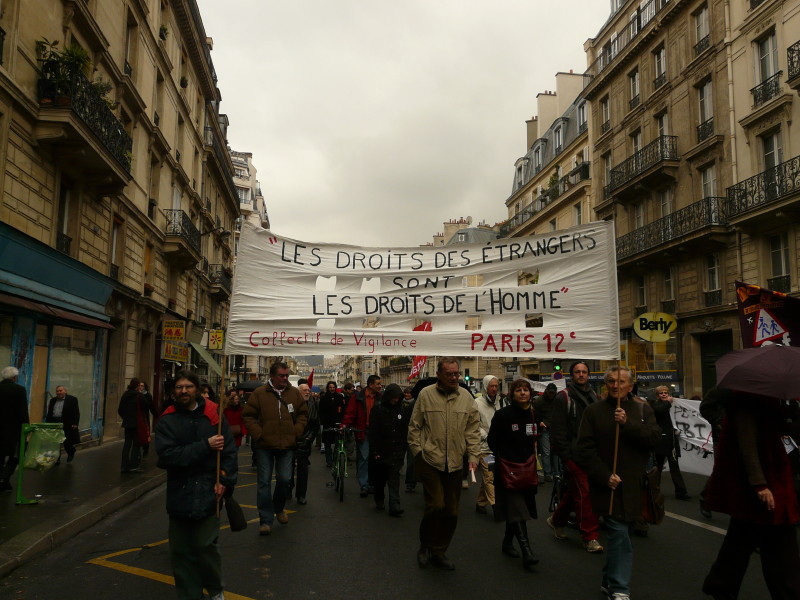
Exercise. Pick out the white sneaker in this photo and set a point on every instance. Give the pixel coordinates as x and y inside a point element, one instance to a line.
<point>218,596</point>
<point>620,596</point>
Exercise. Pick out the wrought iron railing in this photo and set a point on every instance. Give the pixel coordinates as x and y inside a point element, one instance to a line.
<point>605,126</point>
<point>767,89</point>
<point>781,283</point>
<point>635,101</point>
<point>61,86</point>
<point>668,306</point>
<point>664,147</point>
<point>705,130</point>
<point>793,60</point>
<point>220,277</point>
<point>659,81</point>
<point>582,172</point>
<point>179,224</point>
<point>704,213</point>
<point>583,127</point>
<point>768,186</point>
<point>713,298</point>
<point>644,15</point>
<point>756,3</point>
<point>702,45</point>
<point>63,242</point>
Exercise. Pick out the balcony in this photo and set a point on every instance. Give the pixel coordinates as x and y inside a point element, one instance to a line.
<point>645,165</point>
<point>767,90</point>
<point>659,81</point>
<point>76,123</point>
<point>702,45</point>
<point>713,298</point>
<point>705,130</point>
<point>675,227</point>
<point>668,306</point>
<point>182,247</point>
<point>605,127</point>
<point>221,285</point>
<point>748,197</point>
<point>782,283</point>
<point>635,101</point>
<point>793,60</point>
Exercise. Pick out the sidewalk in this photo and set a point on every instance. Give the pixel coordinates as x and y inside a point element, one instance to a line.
<point>72,497</point>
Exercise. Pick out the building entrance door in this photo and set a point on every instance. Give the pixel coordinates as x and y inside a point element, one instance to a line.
<point>712,347</point>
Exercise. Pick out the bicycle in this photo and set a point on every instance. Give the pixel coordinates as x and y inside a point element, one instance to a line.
<point>339,469</point>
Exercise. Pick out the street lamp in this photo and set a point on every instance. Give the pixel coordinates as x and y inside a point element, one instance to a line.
<point>224,233</point>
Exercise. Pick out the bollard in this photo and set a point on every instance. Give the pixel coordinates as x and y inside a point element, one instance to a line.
<point>27,428</point>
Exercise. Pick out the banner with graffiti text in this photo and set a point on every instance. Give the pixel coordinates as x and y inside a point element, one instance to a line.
<point>697,447</point>
<point>549,295</point>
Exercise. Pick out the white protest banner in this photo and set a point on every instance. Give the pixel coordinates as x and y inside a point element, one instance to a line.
<point>296,298</point>
<point>697,447</point>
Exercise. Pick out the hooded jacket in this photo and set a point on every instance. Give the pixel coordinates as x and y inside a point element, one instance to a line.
<point>275,420</point>
<point>388,431</point>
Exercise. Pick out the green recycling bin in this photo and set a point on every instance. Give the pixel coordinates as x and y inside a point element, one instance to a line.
<point>38,451</point>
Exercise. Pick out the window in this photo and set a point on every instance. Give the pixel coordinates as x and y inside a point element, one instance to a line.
<point>660,64</point>
<point>773,151</point>
<point>582,117</point>
<point>665,200</point>
<point>558,137</point>
<point>641,291</point>
<point>767,49</point>
<point>117,245</point>
<point>462,237</point>
<point>633,83</point>
<point>668,289</point>
<point>708,180</point>
<point>605,115</point>
<point>704,92</point>
<point>712,273</point>
<point>606,168</point>
<point>553,225</point>
<point>701,24</point>
<point>779,254</point>
<point>638,215</point>
<point>519,176</point>
<point>578,210</point>
<point>662,125</point>
<point>636,141</point>
<point>537,159</point>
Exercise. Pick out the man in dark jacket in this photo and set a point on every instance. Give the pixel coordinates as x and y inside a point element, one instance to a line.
<point>668,448</point>
<point>331,413</point>
<point>621,482</point>
<point>187,444</point>
<point>543,408</point>
<point>64,409</point>
<point>568,409</point>
<point>357,415</point>
<point>275,416</point>
<point>13,413</point>
<point>388,442</point>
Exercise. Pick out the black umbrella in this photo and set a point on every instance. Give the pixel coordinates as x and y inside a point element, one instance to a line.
<point>772,371</point>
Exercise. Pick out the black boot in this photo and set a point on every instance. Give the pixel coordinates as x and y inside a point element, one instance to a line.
<point>508,541</point>
<point>528,559</point>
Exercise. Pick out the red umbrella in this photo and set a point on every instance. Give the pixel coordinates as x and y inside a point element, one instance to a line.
<point>772,370</point>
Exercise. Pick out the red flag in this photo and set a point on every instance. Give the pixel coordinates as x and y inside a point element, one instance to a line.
<point>766,316</point>
<point>311,379</point>
<point>419,361</point>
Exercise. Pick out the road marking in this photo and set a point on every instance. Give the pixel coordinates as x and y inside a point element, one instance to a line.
<point>695,523</point>
<point>102,561</point>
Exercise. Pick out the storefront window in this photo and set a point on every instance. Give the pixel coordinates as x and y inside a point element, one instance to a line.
<point>6,327</point>
<point>72,365</point>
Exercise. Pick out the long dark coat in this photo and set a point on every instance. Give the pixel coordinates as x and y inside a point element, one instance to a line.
<point>595,454</point>
<point>13,413</point>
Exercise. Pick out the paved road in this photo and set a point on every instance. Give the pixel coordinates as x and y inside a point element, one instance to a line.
<point>349,551</point>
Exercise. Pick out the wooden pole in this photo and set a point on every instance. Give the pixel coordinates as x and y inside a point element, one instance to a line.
<point>616,447</point>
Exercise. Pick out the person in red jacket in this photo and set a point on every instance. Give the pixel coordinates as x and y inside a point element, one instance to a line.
<point>233,414</point>
<point>752,482</point>
<point>356,415</point>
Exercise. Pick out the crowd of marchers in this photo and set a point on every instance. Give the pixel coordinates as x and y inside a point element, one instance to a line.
<point>592,451</point>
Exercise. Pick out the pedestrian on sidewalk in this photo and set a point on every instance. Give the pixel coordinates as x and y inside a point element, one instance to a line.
<point>443,427</point>
<point>129,406</point>
<point>13,414</point>
<point>187,444</point>
<point>276,416</point>
<point>64,409</point>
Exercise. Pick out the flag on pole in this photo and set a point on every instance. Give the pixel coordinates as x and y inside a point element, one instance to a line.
<point>419,361</point>
<point>311,379</point>
<point>767,317</point>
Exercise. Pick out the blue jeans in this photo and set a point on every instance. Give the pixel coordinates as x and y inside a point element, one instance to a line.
<point>268,504</point>
<point>362,463</point>
<point>551,465</point>
<point>619,556</point>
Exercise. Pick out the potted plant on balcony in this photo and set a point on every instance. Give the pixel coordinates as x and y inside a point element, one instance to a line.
<point>59,68</point>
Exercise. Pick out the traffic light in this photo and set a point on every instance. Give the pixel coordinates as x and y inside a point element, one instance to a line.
<point>556,365</point>
<point>467,378</point>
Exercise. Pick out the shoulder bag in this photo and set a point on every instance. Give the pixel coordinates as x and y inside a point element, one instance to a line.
<point>520,476</point>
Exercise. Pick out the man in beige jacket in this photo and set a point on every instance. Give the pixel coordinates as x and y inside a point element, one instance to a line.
<point>444,426</point>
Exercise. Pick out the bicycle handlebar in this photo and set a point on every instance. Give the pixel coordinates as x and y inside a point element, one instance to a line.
<point>342,429</point>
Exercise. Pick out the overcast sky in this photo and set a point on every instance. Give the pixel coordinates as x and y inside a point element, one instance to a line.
<point>373,121</point>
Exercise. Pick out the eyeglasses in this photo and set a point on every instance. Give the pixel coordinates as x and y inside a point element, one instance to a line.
<point>190,386</point>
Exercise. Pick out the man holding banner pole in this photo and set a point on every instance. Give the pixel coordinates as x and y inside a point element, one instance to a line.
<point>614,465</point>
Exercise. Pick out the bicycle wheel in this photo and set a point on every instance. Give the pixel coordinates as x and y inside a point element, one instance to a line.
<point>341,466</point>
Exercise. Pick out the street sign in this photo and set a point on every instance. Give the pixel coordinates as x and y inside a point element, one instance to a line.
<point>173,330</point>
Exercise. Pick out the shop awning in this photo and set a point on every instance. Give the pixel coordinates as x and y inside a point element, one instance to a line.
<point>52,311</point>
<point>208,358</point>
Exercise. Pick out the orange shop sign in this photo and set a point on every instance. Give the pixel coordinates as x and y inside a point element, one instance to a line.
<point>173,330</point>
<point>177,351</point>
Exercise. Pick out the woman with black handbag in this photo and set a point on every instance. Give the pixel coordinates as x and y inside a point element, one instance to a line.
<point>512,439</point>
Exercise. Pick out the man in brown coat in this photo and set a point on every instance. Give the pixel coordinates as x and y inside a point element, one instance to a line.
<point>275,417</point>
<point>638,435</point>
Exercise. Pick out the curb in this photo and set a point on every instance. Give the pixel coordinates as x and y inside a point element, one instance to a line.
<point>47,535</point>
